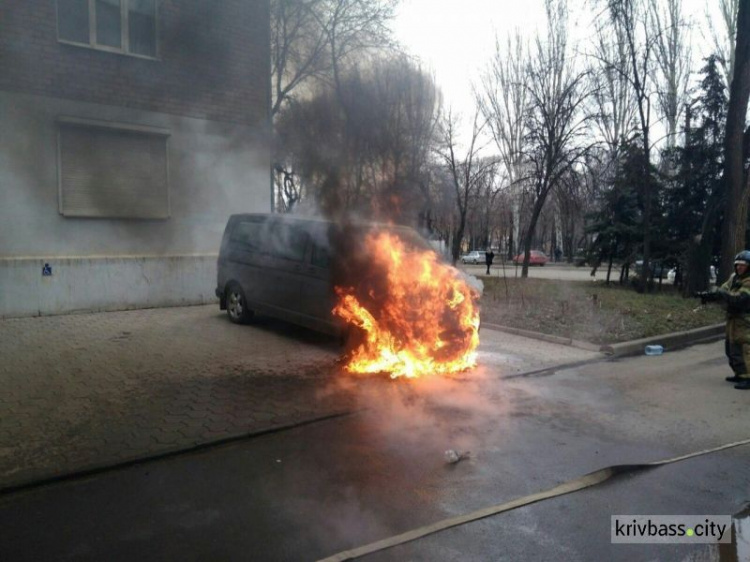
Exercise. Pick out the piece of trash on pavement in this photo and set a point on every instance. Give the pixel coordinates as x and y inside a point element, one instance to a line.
<point>452,456</point>
<point>654,350</point>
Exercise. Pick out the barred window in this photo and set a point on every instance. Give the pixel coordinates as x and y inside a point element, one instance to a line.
<point>125,26</point>
<point>112,171</point>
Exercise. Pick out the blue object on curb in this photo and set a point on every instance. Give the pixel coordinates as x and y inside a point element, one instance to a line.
<point>654,350</point>
<point>47,270</point>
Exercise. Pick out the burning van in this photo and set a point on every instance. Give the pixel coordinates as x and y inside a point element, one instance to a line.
<point>407,311</point>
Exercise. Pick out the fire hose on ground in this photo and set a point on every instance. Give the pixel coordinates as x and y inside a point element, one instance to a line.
<point>585,481</point>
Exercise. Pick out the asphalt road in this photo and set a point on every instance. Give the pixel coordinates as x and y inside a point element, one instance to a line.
<point>312,491</point>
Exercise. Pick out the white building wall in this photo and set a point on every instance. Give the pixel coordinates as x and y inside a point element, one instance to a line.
<point>215,169</point>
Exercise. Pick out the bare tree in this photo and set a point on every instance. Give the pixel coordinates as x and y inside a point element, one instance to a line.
<point>410,105</point>
<point>353,29</point>
<point>467,170</point>
<point>314,43</point>
<point>440,201</point>
<point>315,39</point>
<point>736,146</point>
<point>573,198</point>
<point>485,215</point>
<point>628,18</point>
<point>612,95</point>
<point>374,161</point>
<point>672,55</point>
<point>723,35</point>
<point>298,47</point>
<point>504,104</point>
<point>556,124</point>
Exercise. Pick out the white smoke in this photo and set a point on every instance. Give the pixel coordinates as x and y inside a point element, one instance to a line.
<point>472,281</point>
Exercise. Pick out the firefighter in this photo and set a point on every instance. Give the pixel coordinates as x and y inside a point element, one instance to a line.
<point>735,293</point>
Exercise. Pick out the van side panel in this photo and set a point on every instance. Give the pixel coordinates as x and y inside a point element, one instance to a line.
<point>283,265</point>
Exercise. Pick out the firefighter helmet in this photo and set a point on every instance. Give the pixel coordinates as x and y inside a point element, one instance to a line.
<point>743,257</point>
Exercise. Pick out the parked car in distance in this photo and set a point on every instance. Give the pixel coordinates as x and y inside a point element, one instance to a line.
<point>535,258</point>
<point>474,257</point>
<point>656,267</point>
<point>672,273</point>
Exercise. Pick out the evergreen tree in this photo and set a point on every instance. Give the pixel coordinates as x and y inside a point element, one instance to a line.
<point>618,222</point>
<point>695,192</point>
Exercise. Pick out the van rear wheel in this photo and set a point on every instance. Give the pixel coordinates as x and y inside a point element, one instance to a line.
<point>237,309</point>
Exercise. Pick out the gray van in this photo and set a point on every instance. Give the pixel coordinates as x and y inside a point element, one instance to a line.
<point>282,266</point>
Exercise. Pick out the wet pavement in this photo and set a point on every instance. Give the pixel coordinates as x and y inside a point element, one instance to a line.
<point>312,491</point>
<point>739,549</point>
<point>90,390</point>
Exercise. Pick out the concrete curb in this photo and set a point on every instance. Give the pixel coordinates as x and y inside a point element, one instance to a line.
<point>635,347</point>
<point>544,337</point>
<point>669,341</point>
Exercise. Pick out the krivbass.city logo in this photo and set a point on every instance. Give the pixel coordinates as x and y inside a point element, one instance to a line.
<point>654,529</point>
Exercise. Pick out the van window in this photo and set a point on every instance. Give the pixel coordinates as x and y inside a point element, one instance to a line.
<point>288,242</point>
<point>248,234</point>
<point>321,257</point>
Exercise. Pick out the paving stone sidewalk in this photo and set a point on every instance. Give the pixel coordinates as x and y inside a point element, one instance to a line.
<point>88,390</point>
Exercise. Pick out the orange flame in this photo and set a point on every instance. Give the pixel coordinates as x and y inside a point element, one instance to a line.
<point>420,318</point>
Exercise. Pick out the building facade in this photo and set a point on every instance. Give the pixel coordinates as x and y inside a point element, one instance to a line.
<point>129,131</point>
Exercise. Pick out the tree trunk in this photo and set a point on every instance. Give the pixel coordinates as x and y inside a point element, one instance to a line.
<point>735,209</point>
<point>553,240</point>
<point>456,250</point>
<point>530,234</point>
<point>609,267</point>
<point>648,185</point>
<point>516,222</point>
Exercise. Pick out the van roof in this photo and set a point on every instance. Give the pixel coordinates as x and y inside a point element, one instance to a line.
<point>406,233</point>
<point>286,217</point>
<point>277,215</point>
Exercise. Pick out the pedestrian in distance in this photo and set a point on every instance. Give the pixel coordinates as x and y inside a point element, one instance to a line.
<point>735,295</point>
<point>488,257</point>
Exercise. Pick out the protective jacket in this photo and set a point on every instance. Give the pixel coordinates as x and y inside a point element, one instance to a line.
<point>735,292</point>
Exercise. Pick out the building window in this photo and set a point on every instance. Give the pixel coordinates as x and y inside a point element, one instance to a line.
<point>123,26</point>
<point>111,170</point>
